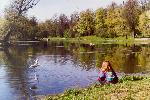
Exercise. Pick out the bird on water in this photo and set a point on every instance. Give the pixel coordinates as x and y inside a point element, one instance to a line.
<point>35,64</point>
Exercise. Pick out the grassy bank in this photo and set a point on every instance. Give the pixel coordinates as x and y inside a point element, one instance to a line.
<point>98,40</point>
<point>128,88</point>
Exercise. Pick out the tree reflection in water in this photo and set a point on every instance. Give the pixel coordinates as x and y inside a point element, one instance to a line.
<point>61,65</point>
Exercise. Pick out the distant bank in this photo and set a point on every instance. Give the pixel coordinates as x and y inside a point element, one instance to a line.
<point>93,40</point>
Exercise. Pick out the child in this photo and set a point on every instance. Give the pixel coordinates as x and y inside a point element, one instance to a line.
<point>107,74</point>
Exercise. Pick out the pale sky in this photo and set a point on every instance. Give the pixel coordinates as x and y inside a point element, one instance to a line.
<point>48,8</point>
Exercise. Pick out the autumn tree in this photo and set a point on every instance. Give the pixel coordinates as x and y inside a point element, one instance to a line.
<point>131,15</point>
<point>63,25</point>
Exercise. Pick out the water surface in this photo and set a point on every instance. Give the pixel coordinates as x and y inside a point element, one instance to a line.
<point>63,66</point>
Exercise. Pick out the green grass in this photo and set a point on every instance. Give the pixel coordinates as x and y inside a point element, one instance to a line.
<point>128,88</point>
<point>98,40</point>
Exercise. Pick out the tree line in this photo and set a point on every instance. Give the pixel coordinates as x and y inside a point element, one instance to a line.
<point>131,18</point>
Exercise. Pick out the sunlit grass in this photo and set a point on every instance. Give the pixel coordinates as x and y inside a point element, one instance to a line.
<point>128,88</point>
<point>99,40</point>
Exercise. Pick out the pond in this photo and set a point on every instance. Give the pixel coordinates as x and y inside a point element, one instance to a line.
<point>63,66</point>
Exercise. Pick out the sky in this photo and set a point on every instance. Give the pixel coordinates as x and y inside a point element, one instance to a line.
<point>46,9</point>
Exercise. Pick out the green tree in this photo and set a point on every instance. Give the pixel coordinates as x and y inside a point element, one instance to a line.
<point>111,20</point>
<point>86,23</point>
<point>47,28</point>
<point>74,18</point>
<point>121,28</point>
<point>16,30</point>
<point>116,25</point>
<point>32,28</point>
<point>144,24</point>
<point>16,13</point>
<point>100,26</point>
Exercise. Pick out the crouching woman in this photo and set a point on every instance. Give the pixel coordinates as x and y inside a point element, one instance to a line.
<point>107,74</point>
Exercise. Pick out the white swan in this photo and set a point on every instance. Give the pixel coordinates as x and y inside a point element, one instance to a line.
<point>35,64</point>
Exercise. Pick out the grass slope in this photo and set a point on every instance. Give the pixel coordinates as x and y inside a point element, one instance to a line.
<point>128,88</point>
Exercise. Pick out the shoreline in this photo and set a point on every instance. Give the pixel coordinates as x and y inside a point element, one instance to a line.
<point>128,87</point>
<point>93,40</point>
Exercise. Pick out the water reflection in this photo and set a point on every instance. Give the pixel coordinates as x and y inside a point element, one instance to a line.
<point>62,66</point>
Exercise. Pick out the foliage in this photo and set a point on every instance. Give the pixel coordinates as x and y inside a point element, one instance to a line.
<point>15,15</point>
<point>74,18</point>
<point>144,24</point>
<point>109,22</point>
<point>127,19</point>
<point>66,34</point>
<point>130,78</point>
<point>100,27</point>
<point>63,24</point>
<point>2,26</point>
<point>131,15</point>
<point>48,28</point>
<point>85,25</point>
<point>117,25</point>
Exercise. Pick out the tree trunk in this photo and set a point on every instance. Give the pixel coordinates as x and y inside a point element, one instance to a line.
<point>7,37</point>
<point>133,32</point>
<point>126,36</point>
